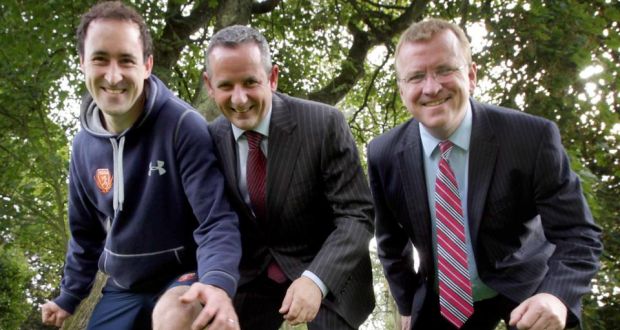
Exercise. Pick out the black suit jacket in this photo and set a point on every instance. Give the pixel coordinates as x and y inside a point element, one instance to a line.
<point>530,226</point>
<point>319,208</point>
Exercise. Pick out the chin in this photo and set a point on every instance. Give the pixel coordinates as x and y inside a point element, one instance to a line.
<point>243,124</point>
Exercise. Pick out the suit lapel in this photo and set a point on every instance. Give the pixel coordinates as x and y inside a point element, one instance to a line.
<point>482,158</point>
<point>223,136</point>
<point>411,170</point>
<point>282,157</point>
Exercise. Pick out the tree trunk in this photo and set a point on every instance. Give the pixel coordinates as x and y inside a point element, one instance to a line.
<point>80,318</point>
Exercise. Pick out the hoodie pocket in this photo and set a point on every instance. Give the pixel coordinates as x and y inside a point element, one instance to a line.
<point>142,270</point>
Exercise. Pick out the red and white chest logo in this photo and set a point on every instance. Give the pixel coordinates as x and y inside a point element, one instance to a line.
<point>103,179</point>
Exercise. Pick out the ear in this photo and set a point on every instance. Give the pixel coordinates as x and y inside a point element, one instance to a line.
<point>82,63</point>
<point>398,83</point>
<point>400,89</point>
<point>273,77</point>
<point>148,64</point>
<point>471,75</point>
<point>207,82</point>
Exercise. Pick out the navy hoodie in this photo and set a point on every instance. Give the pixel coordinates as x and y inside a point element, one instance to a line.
<point>148,204</point>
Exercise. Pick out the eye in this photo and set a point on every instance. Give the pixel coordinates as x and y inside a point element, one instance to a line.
<point>445,71</point>
<point>251,83</point>
<point>415,78</point>
<point>127,61</point>
<point>224,86</point>
<point>98,60</point>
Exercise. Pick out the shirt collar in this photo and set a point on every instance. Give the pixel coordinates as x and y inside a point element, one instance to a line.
<point>459,138</point>
<point>262,128</point>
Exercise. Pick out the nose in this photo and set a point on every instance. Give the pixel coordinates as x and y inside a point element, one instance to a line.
<point>113,74</point>
<point>239,97</point>
<point>430,85</point>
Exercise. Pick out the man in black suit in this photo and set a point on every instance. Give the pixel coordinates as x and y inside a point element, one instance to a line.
<point>307,220</point>
<point>484,194</point>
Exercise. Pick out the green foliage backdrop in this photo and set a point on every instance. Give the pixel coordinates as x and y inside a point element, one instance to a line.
<point>557,59</point>
<point>15,276</point>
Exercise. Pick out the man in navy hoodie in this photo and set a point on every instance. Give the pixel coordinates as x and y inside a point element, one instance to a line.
<point>146,198</point>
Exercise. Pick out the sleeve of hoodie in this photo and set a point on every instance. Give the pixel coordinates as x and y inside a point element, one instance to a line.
<point>217,235</point>
<point>85,246</point>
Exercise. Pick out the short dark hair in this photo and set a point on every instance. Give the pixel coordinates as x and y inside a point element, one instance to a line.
<point>115,10</point>
<point>235,35</point>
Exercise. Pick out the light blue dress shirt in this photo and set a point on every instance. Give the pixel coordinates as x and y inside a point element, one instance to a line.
<point>243,149</point>
<point>459,161</point>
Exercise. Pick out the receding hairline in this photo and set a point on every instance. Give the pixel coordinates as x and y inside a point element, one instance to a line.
<point>235,36</point>
<point>115,10</point>
<point>234,46</point>
<point>104,20</point>
<point>428,29</point>
<point>231,45</point>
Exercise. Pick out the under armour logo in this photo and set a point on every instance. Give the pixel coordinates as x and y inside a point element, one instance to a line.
<point>159,168</point>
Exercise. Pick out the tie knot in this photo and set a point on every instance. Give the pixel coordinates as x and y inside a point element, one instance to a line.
<point>254,139</point>
<point>445,147</point>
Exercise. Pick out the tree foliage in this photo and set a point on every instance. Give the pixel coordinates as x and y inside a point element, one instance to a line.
<point>557,59</point>
<point>14,279</point>
<point>36,63</point>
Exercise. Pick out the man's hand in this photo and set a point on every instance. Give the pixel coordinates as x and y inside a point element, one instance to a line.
<point>52,314</point>
<point>218,311</point>
<point>542,311</point>
<point>405,322</point>
<point>302,301</point>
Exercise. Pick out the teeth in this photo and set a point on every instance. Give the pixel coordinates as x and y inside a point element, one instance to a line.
<point>114,91</point>
<point>433,103</point>
<point>241,110</point>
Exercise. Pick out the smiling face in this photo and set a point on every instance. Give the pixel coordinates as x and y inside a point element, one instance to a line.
<point>439,106</point>
<point>115,70</point>
<point>239,84</point>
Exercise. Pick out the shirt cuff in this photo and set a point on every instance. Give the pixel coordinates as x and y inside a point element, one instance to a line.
<point>317,281</point>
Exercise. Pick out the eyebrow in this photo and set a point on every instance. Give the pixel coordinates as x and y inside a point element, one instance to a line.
<point>228,82</point>
<point>222,83</point>
<point>104,53</point>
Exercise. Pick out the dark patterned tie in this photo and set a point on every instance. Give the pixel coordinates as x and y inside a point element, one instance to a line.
<point>455,291</point>
<point>256,171</point>
<point>256,174</point>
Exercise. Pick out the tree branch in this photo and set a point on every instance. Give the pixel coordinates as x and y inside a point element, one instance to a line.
<point>464,15</point>
<point>352,68</point>
<point>231,12</point>
<point>378,5</point>
<point>177,32</point>
<point>265,6</point>
<point>370,87</point>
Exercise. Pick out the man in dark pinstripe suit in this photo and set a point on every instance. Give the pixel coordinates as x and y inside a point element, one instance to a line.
<point>307,259</point>
<point>532,247</point>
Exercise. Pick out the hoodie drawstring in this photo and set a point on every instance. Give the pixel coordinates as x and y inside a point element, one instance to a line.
<point>118,183</point>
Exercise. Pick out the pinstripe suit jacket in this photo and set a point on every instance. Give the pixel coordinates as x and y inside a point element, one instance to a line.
<point>319,209</point>
<point>530,226</point>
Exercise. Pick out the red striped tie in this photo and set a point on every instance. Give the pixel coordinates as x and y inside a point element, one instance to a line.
<point>455,292</point>
<point>256,168</point>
